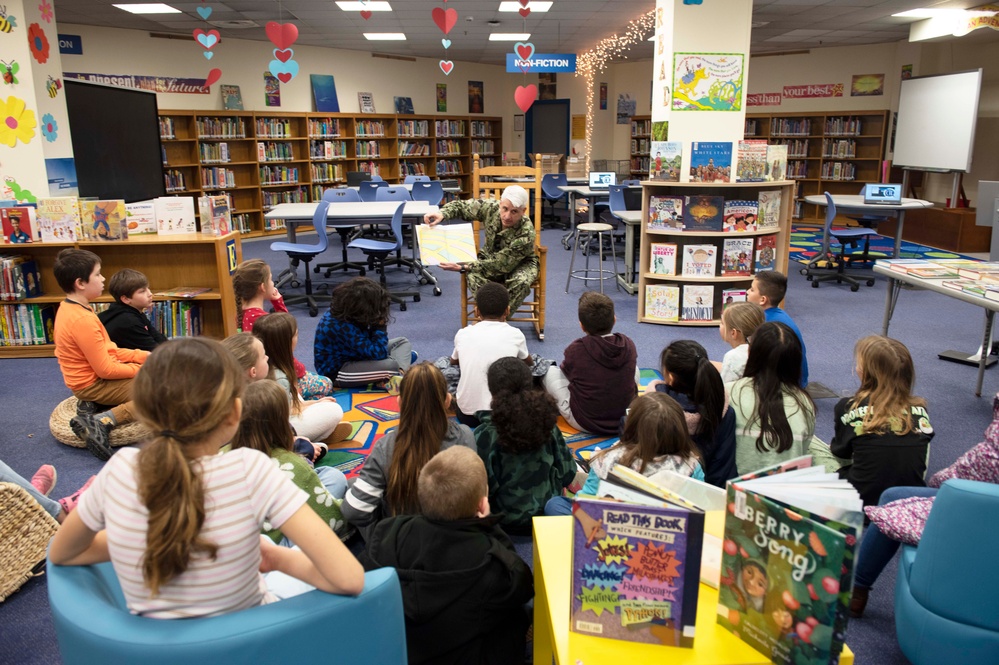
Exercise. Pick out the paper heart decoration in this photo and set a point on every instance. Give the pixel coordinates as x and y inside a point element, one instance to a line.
<point>284,71</point>
<point>525,12</point>
<point>445,18</point>
<point>365,15</point>
<point>524,3</point>
<point>283,55</point>
<point>525,96</point>
<point>204,12</point>
<point>282,35</point>
<point>446,42</point>
<point>208,55</point>
<point>208,39</point>
<point>446,66</point>
<point>212,77</point>
<point>524,50</point>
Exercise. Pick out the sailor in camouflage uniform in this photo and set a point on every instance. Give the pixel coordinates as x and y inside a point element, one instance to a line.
<point>508,255</point>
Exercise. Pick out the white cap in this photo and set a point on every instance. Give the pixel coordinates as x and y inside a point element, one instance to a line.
<point>516,195</point>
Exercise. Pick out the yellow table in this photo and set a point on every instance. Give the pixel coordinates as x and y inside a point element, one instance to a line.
<point>554,642</point>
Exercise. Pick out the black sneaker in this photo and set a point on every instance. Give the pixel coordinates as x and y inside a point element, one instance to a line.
<point>95,434</point>
<point>86,408</point>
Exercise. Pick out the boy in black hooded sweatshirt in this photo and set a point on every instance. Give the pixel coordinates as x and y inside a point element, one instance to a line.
<point>127,325</point>
<point>464,588</point>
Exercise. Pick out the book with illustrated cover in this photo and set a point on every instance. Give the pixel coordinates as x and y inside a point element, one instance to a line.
<point>752,161</point>
<point>19,224</point>
<point>737,256</point>
<point>666,212</point>
<point>232,98</point>
<point>768,209</point>
<point>324,93</point>
<point>635,571</point>
<point>740,216</point>
<point>730,296</point>
<point>174,214</point>
<point>446,243</point>
<point>699,260</point>
<point>664,161</point>
<point>766,253</point>
<point>141,218</point>
<point>59,218</point>
<point>787,561</point>
<point>662,302</point>
<point>979,271</point>
<point>776,162</point>
<point>698,302</point>
<point>710,161</point>
<point>662,258</point>
<point>216,219</point>
<point>104,220</point>
<point>704,213</point>
<point>932,272</point>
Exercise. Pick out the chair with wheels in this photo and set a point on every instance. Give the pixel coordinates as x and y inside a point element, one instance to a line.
<point>410,179</point>
<point>550,184</point>
<point>355,178</point>
<point>871,220</point>
<point>300,252</point>
<point>378,251</point>
<point>432,192</point>
<point>392,193</point>
<point>93,625</point>
<point>369,189</point>
<point>819,268</point>
<point>344,230</point>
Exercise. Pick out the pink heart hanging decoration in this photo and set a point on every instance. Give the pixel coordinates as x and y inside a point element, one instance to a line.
<point>283,55</point>
<point>525,12</point>
<point>365,15</point>
<point>284,77</point>
<point>445,19</point>
<point>446,66</point>
<point>282,35</point>
<point>525,96</point>
<point>213,76</point>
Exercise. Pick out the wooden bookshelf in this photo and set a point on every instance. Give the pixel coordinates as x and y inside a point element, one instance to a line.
<point>641,138</point>
<point>261,158</point>
<point>192,259</point>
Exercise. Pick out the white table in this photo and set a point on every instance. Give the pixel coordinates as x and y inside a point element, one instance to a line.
<point>855,202</point>
<point>895,281</point>
<point>631,219</point>
<point>408,186</point>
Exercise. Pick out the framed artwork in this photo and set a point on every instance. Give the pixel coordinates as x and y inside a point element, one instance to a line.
<point>518,123</point>
<point>476,101</point>
<point>366,102</point>
<point>442,97</point>
<point>324,93</point>
<point>272,90</point>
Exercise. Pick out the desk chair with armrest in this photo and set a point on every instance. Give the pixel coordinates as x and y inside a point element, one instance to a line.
<point>378,251</point>
<point>870,220</point>
<point>432,192</point>
<point>415,178</point>
<point>391,193</point>
<point>368,189</point>
<point>550,184</point>
<point>301,252</point>
<point>844,237</point>
<point>341,195</point>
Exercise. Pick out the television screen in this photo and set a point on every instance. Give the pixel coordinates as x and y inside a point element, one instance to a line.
<point>116,141</point>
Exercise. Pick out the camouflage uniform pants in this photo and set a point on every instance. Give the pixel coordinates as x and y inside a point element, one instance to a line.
<point>518,282</point>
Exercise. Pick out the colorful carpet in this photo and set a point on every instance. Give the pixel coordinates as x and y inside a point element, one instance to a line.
<point>373,413</point>
<point>807,241</point>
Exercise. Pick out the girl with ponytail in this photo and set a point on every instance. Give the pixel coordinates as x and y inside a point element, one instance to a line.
<point>181,523</point>
<point>525,455</point>
<point>694,382</point>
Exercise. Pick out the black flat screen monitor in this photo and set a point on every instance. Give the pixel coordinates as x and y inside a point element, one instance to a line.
<point>116,141</point>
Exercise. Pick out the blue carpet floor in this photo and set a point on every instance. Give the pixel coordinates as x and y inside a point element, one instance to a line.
<point>806,241</point>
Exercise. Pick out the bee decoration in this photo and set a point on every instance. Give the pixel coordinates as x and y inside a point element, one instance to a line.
<point>9,71</point>
<point>7,23</point>
<point>53,86</point>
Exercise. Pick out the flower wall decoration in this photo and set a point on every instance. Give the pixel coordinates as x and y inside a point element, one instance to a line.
<point>46,9</point>
<point>50,128</point>
<point>39,43</point>
<point>16,122</point>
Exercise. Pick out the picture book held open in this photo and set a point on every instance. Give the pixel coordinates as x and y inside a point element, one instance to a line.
<point>446,243</point>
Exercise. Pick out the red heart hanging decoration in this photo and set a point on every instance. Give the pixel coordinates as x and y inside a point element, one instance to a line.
<point>283,55</point>
<point>525,96</point>
<point>525,51</point>
<point>446,66</point>
<point>525,12</point>
<point>212,77</point>
<point>445,19</point>
<point>284,77</point>
<point>365,15</point>
<point>282,35</point>
<point>524,3</point>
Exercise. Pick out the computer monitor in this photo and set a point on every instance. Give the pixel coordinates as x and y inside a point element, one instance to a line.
<point>602,179</point>
<point>882,194</point>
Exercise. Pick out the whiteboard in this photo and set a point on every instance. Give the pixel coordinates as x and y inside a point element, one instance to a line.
<point>936,121</point>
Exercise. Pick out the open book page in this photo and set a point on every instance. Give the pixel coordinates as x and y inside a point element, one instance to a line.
<point>451,243</point>
<point>698,492</point>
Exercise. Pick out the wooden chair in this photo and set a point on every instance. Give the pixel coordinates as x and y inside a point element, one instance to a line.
<point>533,307</point>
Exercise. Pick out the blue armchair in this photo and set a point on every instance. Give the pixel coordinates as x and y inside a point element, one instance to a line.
<point>945,593</point>
<point>94,626</point>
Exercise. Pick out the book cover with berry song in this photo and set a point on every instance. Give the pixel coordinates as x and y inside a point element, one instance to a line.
<point>635,571</point>
<point>787,570</point>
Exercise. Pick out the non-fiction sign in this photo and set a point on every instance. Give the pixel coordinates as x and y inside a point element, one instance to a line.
<point>541,63</point>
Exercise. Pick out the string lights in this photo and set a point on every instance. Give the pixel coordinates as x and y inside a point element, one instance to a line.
<point>594,61</point>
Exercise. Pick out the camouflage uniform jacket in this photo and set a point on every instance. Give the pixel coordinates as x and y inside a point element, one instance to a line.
<point>504,249</point>
<point>521,483</point>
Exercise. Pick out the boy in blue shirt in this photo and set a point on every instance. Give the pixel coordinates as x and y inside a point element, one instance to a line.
<point>767,291</point>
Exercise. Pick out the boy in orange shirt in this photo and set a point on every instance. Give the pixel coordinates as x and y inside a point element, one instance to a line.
<point>93,367</point>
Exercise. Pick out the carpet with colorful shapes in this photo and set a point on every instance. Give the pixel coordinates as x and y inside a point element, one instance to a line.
<point>373,412</point>
<point>807,241</point>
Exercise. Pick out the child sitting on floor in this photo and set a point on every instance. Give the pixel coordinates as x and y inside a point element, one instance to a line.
<point>738,322</point>
<point>768,290</point>
<point>125,319</point>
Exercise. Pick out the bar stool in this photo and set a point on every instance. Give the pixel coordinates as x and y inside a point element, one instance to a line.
<point>589,228</point>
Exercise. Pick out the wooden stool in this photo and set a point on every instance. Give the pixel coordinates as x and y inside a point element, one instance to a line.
<point>123,435</point>
<point>589,228</point>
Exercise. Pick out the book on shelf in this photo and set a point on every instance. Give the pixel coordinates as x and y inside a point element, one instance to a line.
<point>103,220</point>
<point>662,302</point>
<point>730,296</point>
<point>662,258</point>
<point>699,260</point>
<point>776,162</point>
<point>184,291</point>
<point>141,218</point>
<point>635,571</point>
<point>174,214</point>
<point>446,243</point>
<point>710,161</point>
<point>216,218</point>
<point>19,278</point>
<point>740,215</point>
<point>664,161</point>
<point>768,209</point>
<point>232,98</point>
<point>366,102</point>
<point>59,218</point>
<point>752,160</point>
<point>666,212</point>
<point>737,256</point>
<point>703,213</point>
<point>324,93</point>
<point>27,325</point>
<point>787,562</point>
<point>766,253</point>
<point>19,224</point>
<point>698,302</point>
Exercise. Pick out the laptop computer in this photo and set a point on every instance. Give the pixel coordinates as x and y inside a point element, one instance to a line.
<point>602,179</point>
<point>881,194</point>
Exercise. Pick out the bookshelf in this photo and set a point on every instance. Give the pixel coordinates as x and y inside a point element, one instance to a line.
<point>190,259</point>
<point>835,152</point>
<point>641,136</point>
<point>680,238</point>
<point>261,159</point>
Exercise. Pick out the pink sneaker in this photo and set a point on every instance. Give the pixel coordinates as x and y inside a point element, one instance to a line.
<point>68,503</point>
<point>44,479</point>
